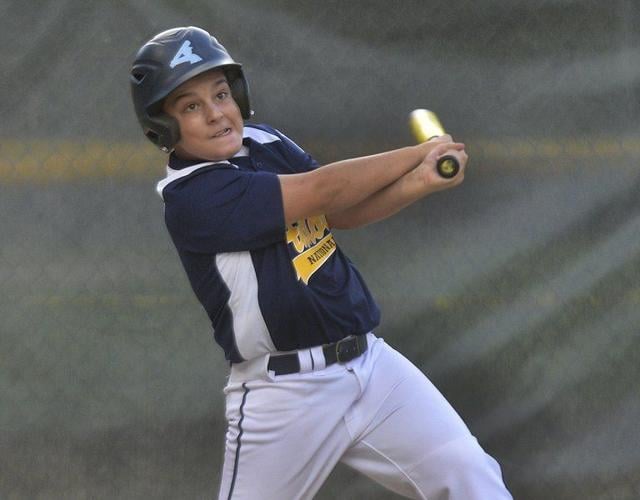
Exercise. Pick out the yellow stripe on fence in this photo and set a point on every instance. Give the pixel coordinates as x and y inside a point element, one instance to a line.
<point>50,161</point>
<point>570,149</point>
<point>44,161</point>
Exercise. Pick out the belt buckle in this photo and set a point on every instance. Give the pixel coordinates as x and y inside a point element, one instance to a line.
<point>347,349</point>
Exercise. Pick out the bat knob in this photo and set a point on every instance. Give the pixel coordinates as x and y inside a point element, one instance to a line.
<point>448,166</point>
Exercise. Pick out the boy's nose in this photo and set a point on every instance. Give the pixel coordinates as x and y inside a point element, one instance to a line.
<point>213,112</point>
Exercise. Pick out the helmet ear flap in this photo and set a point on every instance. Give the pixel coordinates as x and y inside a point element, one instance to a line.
<point>240,91</point>
<point>165,132</point>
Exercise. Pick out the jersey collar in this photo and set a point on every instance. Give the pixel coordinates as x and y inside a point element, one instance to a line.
<point>179,167</point>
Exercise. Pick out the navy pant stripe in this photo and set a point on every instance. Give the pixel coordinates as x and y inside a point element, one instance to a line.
<point>237,459</point>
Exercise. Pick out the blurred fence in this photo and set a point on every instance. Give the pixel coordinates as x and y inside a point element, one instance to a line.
<point>517,293</point>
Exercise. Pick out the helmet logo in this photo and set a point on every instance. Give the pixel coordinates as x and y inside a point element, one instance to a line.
<point>185,54</point>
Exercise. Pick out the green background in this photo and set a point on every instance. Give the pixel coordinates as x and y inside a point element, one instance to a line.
<point>517,293</point>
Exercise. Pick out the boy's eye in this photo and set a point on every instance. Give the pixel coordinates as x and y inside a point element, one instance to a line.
<point>222,95</point>
<point>191,107</point>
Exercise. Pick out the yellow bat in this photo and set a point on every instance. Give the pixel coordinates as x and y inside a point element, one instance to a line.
<point>425,125</point>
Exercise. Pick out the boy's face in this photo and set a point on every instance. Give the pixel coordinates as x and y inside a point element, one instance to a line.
<point>210,120</point>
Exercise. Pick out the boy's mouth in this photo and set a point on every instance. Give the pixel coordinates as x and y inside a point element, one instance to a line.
<point>223,132</point>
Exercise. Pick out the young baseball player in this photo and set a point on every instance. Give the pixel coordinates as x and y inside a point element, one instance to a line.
<point>251,215</point>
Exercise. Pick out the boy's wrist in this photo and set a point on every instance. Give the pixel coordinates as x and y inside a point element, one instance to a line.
<point>417,184</point>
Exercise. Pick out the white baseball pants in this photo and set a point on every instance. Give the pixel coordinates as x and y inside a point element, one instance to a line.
<point>377,413</point>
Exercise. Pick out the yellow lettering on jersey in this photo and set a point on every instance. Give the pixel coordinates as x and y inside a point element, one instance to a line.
<point>306,232</point>
<point>314,248</point>
<point>309,261</point>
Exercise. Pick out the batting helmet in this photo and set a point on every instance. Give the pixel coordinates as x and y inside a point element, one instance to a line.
<point>166,61</point>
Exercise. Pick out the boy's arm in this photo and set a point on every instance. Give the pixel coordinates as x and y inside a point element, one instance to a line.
<point>412,186</point>
<point>338,186</point>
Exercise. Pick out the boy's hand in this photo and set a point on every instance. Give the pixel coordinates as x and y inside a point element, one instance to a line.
<point>426,171</point>
<point>428,146</point>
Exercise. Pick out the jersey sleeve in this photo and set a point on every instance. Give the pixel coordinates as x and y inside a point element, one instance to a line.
<point>225,210</point>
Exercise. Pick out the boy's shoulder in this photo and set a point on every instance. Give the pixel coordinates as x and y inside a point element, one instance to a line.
<point>262,133</point>
<point>270,136</point>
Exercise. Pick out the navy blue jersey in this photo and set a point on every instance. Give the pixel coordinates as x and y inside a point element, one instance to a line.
<point>265,286</point>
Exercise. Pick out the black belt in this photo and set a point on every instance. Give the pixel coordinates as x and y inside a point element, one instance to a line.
<point>339,352</point>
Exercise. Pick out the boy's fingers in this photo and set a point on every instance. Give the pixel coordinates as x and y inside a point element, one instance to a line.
<point>441,149</point>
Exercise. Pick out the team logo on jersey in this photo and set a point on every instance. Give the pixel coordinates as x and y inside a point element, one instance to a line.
<point>313,244</point>
<point>185,54</point>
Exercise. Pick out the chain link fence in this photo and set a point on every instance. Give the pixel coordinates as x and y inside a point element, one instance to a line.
<point>517,293</point>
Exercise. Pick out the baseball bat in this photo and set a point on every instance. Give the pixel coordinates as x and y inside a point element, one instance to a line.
<point>425,125</point>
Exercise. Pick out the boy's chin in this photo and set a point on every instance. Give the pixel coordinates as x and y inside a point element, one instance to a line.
<point>212,154</point>
<point>226,154</point>
<point>226,151</point>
